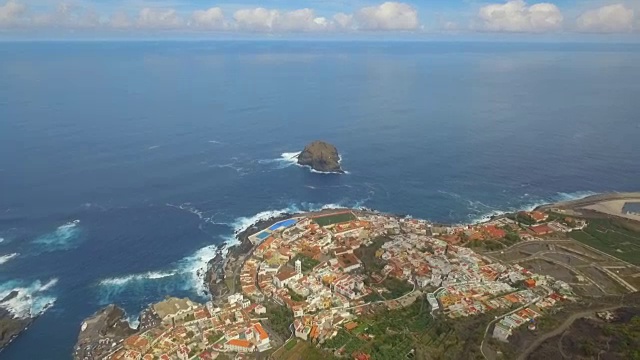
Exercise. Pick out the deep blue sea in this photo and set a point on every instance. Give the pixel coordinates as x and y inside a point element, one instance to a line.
<point>161,150</point>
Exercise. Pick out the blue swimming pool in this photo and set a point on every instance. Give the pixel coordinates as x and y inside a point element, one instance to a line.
<point>263,235</point>
<point>283,224</point>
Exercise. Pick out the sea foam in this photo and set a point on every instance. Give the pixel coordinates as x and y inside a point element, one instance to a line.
<point>285,160</point>
<point>63,238</point>
<point>32,299</point>
<point>191,269</point>
<point>5,258</point>
<point>124,280</point>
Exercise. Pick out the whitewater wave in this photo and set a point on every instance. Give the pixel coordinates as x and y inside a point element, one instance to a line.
<point>5,258</point>
<point>188,273</point>
<point>153,147</point>
<point>1,240</point>
<point>288,159</point>
<point>238,169</point>
<point>243,223</point>
<point>285,160</point>
<point>133,320</point>
<point>214,142</point>
<point>194,268</point>
<point>124,280</point>
<point>63,238</point>
<point>32,300</point>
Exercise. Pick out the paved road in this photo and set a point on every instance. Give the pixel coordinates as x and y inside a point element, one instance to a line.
<point>559,330</point>
<point>498,318</point>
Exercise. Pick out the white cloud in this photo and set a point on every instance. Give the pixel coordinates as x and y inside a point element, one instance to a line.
<point>388,16</point>
<point>301,20</point>
<point>517,16</point>
<point>212,18</point>
<point>68,15</point>
<point>153,18</point>
<point>343,21</point>
<point>261,19</point>
<point>11,13</point>
<point>607,19</point>
<point>258,19</point>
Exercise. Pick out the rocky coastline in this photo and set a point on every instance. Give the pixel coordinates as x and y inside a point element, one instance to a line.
<point>101,331</point>
<point>11,326</point>
<point>221,279</point>
<point>222,271</point>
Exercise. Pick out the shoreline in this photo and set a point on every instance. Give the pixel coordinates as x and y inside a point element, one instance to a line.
<point>229,264</point>
<point>222,275</point>
<point>590,200</point>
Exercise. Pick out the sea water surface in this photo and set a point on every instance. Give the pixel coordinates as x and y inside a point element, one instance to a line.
<point>123,165</point>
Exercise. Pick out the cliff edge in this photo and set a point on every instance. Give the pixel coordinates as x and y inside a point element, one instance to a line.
<point>101,332</point>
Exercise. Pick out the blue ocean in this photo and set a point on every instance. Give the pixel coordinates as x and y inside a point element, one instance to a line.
<point>124,165</point>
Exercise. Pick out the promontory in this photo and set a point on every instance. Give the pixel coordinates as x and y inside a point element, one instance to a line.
<point>321,156</point>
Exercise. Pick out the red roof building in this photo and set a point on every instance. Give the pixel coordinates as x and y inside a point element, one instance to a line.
<point>494,232</point>
<point>541,229</point>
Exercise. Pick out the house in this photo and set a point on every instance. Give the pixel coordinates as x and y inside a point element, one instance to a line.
<point>284,277</point>
<point>136,343</point>
<point>297,311</point>
<point>260,309</point>
<point>174,308</point>
<point>541,229</point>
<point>501,331</point>
<point>261,336</point>
<point>530,283</point>
<point>494,232</point>
<point>183,352</point>
<point>239,345</point>
<point>350,326</point>
<point>301,330</point>
<point>538,216</point>
<point>348,262</point>
<point>234,298</point>
<point>132,355</point>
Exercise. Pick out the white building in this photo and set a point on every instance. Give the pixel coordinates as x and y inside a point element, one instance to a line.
<point>235,298</point>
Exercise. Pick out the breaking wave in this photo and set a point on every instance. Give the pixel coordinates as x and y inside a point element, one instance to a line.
<point>63,238</point>
<point>123,280</point>
<point>188,273</point>
<point>288,159</point>
<point>30,300</point>
<point>133,320</point>
<point>5,258</point>
<point>285,160</point>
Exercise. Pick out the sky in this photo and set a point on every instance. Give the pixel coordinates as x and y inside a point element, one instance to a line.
<point>607,20</point>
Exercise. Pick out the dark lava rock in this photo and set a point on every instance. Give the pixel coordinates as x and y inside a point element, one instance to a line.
<point>321,156</point>
<point>11,327</point>
<point>100,332</point>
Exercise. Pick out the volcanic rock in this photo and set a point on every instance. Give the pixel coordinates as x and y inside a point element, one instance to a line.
<point>321,156</point>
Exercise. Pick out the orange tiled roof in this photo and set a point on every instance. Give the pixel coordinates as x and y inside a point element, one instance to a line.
<point>239,342</point>
<point>261,332</point>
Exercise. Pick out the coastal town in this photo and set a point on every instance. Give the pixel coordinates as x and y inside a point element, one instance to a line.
<point>328,269</point>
